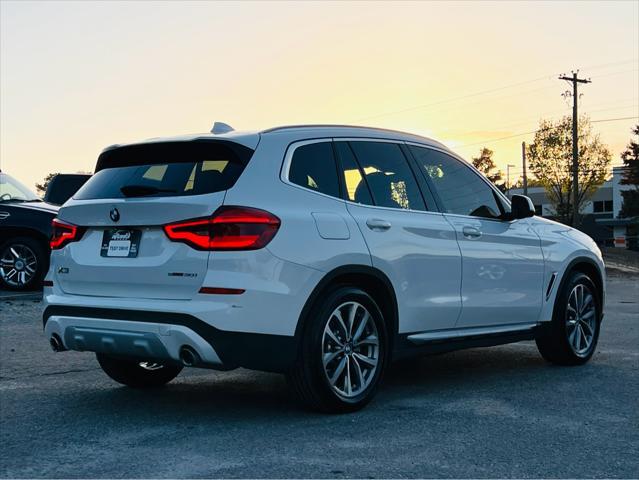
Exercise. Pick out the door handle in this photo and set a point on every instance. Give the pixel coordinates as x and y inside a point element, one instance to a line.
<point>471,232</point>
<point>377,224</point>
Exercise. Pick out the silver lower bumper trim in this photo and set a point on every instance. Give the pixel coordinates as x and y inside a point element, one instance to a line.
<point>152,341</point>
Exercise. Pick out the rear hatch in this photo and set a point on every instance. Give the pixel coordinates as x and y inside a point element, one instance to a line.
<point>120,212</point>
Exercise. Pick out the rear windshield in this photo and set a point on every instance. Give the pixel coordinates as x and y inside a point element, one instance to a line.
<point>166,169</point>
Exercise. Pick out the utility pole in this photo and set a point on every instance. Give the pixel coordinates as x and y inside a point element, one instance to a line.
<point>575,147</point>
<point>523,164</point>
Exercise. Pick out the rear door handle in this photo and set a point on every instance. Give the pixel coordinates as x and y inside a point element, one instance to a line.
<point>471,232</point>
<point>377,224</point>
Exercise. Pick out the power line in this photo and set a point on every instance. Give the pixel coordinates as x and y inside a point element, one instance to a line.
<point>484,92</point>
<point>452,99</point>
<point>534,131</point>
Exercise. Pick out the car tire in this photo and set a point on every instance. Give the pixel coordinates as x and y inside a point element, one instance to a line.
<point>137,374</point>
<point>343,352</point>
<point>24,261</point>
<point>571,337</point>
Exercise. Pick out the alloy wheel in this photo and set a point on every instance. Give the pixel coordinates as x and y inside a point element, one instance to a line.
<point>350,349</point>
<point>581,319</point>
<point>18,265</point>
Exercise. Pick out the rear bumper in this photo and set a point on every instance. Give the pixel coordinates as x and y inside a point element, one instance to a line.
<point>152,335</point>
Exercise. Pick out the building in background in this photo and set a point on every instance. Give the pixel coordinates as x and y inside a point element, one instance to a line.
<point>600,215</point>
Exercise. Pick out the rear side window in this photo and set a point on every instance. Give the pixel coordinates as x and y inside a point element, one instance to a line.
<point>313,167</point>
<point>166,170</point>
<point>388,175</point>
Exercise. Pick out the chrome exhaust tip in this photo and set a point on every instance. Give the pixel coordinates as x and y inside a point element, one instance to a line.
<point>188,356</point>
<point>56,343</point>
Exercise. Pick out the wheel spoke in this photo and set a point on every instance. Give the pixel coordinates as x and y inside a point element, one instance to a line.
<point>14,253</point>
<point>348,385</point>
<point>351,319</point>
<point>359,376</point>
<point>329,357</point>
<point>363,358</point>
<point>370,340</point>
<point>589,314</point>
<point>338,371</point>
<point>587,302</point>
<point>337,314</point>
<point>572,335</point>
<point>580,336</point>
<point>587,326</point>
<point>361,327</point>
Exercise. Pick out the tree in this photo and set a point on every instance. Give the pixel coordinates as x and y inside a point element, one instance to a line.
<point>550,160</point>
<point>42,187</point>
<point>485,164</point>
<point>630,157</point>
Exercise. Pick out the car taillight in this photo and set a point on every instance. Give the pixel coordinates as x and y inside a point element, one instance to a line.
<point>229,228</point>
<point>63,233</point>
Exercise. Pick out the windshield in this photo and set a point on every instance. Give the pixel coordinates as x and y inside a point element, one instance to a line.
<point>12,190</point>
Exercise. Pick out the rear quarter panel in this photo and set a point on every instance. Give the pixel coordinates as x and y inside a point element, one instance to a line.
<point>298,239</point>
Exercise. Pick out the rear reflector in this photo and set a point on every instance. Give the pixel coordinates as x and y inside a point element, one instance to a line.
<point>47,283</point>
<point>222,291</point>
<point>229,228</point>
<point>63,233</point>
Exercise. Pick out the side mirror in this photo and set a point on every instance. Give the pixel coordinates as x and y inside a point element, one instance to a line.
<point>521,207</point>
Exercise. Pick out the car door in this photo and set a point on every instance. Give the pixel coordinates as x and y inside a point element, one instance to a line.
<point>414,247</point>
<point>502,262</point>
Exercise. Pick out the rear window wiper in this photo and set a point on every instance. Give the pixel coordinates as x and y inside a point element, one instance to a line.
<point>143,190</point>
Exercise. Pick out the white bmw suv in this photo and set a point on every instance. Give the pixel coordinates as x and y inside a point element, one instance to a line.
<point>321,252</point>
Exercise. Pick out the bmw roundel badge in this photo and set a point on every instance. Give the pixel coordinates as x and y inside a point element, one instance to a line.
<point>114,214</point>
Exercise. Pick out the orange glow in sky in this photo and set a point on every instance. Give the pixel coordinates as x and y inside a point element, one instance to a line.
<point>76,77</point>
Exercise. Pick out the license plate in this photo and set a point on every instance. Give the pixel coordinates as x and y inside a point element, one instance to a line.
<point>120,243</point>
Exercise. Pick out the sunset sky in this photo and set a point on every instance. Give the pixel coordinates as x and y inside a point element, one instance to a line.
<point>76,77</point>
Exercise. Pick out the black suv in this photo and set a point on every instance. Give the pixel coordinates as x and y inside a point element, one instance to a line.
<point>25,229</point>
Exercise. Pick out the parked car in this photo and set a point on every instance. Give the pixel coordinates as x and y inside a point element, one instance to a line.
<point>322,252</point>
<point>25,228</point>
<point>63,186</point>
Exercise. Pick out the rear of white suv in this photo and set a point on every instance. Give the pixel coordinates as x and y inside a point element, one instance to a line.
<point>319,252</point>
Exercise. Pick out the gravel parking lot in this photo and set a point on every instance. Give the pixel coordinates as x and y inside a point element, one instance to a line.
<point>494,412</point>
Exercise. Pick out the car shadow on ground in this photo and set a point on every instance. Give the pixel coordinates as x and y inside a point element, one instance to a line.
<point>242,394</point>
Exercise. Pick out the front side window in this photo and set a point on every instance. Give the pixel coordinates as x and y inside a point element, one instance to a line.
<point>460,189</point>
<point>313,167</point>
<point>388,175</point>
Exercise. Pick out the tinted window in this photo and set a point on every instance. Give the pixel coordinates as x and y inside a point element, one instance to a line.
<point>63,186</point>
<point>166,170</point>
<point>313,167</point>
<point>356,188</point>
<point>461,190</point>
<point>388,175</point>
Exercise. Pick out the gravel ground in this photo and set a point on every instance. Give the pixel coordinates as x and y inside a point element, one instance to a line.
<point>492,412</point>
